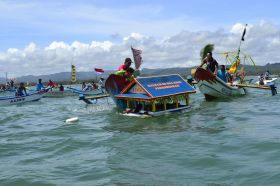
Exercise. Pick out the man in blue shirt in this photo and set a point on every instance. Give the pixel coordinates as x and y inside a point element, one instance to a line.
<point>222,73</point>
<point>40,85</point>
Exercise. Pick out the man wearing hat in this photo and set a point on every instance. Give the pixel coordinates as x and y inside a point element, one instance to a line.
<point>126,65</point>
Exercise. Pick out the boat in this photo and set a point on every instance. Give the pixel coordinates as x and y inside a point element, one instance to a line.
<point>86,92</point>
<point>56,93</point>
<point>213,87</point>
<point>12,100</point>
<point>150,96</point>
<point>267,81</point>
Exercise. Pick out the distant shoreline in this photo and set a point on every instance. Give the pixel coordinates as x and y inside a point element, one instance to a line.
<point>64,77</point>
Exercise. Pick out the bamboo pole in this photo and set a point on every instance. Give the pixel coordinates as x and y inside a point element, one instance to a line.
<point>254,86</point>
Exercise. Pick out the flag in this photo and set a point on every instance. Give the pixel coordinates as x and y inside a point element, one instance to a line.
<point>73,74</point>
<point>137,57</point>
<point>99,70</point>
<point>244,32</point>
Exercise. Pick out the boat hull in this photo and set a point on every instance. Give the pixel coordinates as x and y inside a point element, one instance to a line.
<point>13,100</point>
<point>59,94</point>
<point>114,85</point>
<point>213,87</point>
<point>267,82</point>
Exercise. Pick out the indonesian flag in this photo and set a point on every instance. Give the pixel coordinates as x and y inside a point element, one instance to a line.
<point>99,70</point>
<point>137,57</point>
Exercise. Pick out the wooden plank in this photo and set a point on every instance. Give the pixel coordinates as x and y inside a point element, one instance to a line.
<point>97,96</point>
<point>254,86</point>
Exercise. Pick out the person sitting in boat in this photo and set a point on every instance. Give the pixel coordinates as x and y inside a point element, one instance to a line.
<point>267,75</point>
<point>87,87</point>
<point>83,85</point>
<point>12,84</point>
<point>21,90</point>
<point>127,74</point>
<point>51,84</point>
<point>261,79</point>
<point>39,85</point>
<point>94,86</point>
<point>61,87</point>
<point>222,73</point>
<point>190,81</point>
<point>126,65</point>
<point>212,64</point>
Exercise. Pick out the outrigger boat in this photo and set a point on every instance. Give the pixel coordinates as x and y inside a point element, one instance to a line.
<point>213,87</point>
<point>150,96</point>
<point>12,100</point>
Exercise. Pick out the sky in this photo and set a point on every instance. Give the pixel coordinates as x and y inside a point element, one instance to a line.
<point>44,37</point>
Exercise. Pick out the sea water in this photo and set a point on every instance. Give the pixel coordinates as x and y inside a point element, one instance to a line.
<point>225,142</point>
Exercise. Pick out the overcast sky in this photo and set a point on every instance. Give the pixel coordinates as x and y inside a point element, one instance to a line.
<point>44,37</point>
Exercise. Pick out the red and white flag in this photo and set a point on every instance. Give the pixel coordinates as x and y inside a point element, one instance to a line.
<point>99,70</point>
<point>137,57</point>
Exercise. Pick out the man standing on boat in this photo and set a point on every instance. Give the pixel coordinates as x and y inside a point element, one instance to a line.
<point>212,64</point>
<point>126,64</point>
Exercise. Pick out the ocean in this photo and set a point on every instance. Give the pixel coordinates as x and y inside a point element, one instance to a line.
<point>223,142</point>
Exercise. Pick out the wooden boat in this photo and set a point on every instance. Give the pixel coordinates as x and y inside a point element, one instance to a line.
<point>86,92</point>
<point>12,100</point>
<point>150,96</point>
<point>213,87</point>
<point>55,93</point>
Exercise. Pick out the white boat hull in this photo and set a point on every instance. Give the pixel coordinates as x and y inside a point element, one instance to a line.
<point>267,82</point>
<point>12,100</point>
<point>213,87</point>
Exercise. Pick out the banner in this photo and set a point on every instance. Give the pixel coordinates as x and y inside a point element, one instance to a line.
<point>73,74</point>
<point>137,57</point>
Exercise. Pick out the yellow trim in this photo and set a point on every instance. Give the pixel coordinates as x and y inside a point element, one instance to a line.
<point>176,102</point>
<point>188,100</point>
<point>153,106</point>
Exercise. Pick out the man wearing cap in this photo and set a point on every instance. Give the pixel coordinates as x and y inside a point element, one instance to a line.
<point>126,64</point>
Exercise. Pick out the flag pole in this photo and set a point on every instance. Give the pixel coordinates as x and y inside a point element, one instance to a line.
<point>242,39</point>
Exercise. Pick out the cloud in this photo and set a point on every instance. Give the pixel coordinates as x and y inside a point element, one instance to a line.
<point>262,42</point>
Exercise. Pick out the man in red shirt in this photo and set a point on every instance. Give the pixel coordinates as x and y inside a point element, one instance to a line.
<point>51,84</point>
<point>126,64</point>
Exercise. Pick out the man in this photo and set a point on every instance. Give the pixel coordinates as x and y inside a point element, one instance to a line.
<point>222,73</point>
<point>267,75</point>
<point>51,84</point>
<point>21,90</point>
<point>39,85</point>
<point>126,65</point>
<point>212,64</point>
<point>127,74</point>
